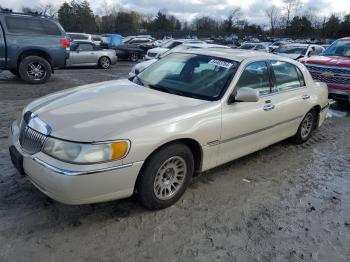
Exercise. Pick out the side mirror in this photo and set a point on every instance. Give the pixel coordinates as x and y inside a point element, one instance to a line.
<point>245,94</point>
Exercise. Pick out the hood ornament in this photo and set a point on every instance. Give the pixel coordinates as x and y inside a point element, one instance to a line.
<point>34,122</point>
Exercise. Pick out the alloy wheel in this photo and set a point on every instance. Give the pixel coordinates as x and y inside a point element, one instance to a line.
<point>170,177</point>
<point>105,62</point>
<point>307,125</point>
<point>36,71</point>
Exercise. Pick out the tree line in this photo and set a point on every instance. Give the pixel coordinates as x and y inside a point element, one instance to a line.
<point>290,19</point>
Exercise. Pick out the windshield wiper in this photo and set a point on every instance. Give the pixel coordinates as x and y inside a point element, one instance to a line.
<point>166,89</point>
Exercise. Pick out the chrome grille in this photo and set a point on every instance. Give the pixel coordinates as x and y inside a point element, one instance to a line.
<point>330,75</point>
<point>30,140</point>
<point>337,80</point>
<point>334,70</point>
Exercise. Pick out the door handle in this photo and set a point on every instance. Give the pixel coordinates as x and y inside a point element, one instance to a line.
<point>305,97</point>
<point>268,107</point>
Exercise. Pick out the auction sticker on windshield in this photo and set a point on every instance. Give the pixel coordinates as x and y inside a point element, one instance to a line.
<point>220,63</point>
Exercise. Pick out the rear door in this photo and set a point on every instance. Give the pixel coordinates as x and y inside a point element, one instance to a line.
<point>290,98</point>
<point>2,48</point>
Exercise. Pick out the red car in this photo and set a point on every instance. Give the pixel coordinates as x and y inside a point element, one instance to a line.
<point>333,68</point>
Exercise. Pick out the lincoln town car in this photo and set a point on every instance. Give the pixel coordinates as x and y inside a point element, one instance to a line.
<point>186,113</point>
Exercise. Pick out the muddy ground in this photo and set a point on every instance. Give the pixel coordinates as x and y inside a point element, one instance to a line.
<point>284,203</point>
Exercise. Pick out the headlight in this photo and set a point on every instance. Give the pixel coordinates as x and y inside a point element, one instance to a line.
<point>85,153</point>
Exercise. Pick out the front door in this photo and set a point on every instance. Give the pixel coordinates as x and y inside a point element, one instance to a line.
<point>246,126</point>
<point>83,54</point>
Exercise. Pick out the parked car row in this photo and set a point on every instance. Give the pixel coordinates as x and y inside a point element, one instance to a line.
<point>32,46</point>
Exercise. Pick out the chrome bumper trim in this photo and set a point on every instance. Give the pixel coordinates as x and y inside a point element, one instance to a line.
<point>78,173</point>
<point>325,107</point>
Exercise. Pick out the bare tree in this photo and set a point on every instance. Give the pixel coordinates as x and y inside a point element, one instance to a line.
<point>272,14</point>
<point>235,15</point>
<point>290,6</point>
<point>47,9</point>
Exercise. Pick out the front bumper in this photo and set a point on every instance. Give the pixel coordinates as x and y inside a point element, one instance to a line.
<point>339,92</point>
<point>77,184</point>
<point>114,59</point>
<point>323,115</point>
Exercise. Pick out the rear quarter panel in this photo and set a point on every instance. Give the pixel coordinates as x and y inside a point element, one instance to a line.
<point>17,44</point>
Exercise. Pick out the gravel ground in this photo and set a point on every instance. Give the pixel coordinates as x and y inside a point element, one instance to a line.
<point>284,203</point>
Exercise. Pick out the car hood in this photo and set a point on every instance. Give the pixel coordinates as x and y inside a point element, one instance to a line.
<point>158,50</point>
<point>143,65</point>
<point>329,60</point>
<point>93,112</point>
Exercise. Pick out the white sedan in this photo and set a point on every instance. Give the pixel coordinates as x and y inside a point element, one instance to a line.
<point>186,113</point>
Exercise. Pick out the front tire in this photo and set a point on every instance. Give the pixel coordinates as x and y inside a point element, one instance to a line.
<point>165,176</point>
<point>305,128</point>
<point>35,70</point>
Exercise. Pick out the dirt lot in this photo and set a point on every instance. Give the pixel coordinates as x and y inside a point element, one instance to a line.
<point>284,203</point>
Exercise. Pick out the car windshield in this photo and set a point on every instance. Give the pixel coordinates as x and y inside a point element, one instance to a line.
<point>291,50</point>
<point>191,75</point>
<point>247,46</point>
<point>338,48</point>
<point>171,44</point>
<point>178,49</point>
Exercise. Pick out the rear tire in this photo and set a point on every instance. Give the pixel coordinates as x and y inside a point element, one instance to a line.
<point>305,128</point>
<point>165,176</point>
<point>104,62</point>
<point>134,57</point>
<point>35,70</point>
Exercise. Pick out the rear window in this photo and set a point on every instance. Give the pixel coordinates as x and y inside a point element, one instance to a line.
<point>78,37</point>
<point>287,76</point>
<point>25,25</point>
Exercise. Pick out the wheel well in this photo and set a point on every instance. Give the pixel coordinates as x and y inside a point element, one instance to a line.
<point>192,144</point>
<point>102,57</point>
<point>317,109</point>
<point>35,52</point>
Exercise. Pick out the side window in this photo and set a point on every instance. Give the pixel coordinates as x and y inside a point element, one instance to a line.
<point>73,47</point>
<point>51,28</point>
<point>256,76</point>
<point>286,75</point>
<point>85,47</point>
<point>319,50</point>
<point>24,25</point>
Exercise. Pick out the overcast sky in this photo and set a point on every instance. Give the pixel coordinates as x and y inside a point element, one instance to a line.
<point>253,10</point>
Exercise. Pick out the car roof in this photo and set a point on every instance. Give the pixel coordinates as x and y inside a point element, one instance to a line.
<point>233,54</point>
<point>251,43</point>
<point>82,42</point>
<point>298,45</point>
<point>77,33</point>
<point>205,45</point>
